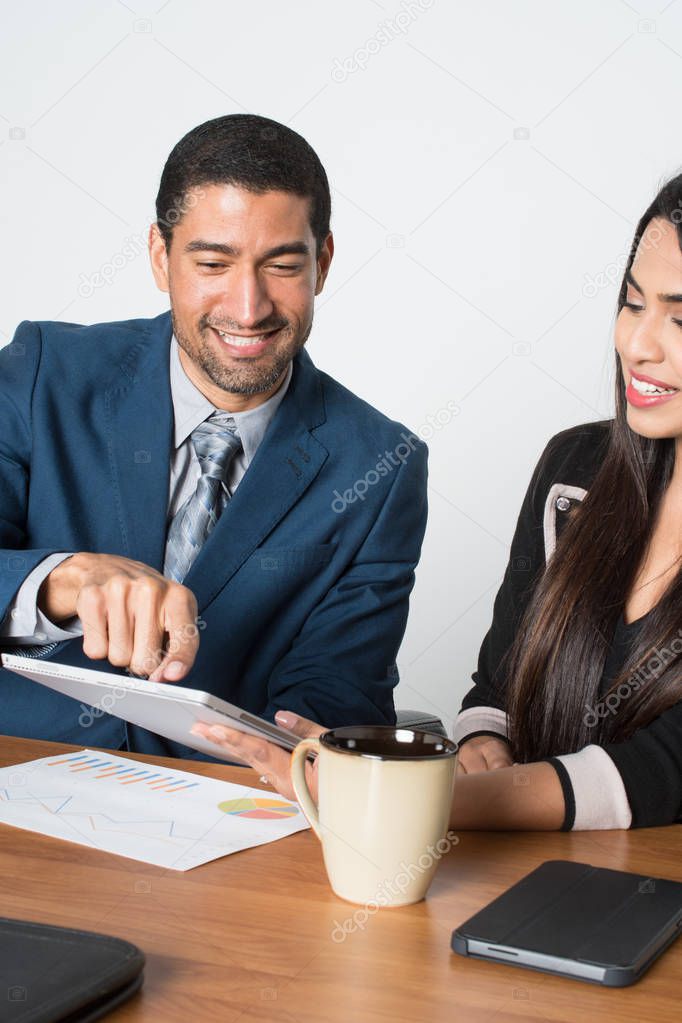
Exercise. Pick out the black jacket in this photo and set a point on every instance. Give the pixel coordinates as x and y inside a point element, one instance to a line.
<point>649,764</point>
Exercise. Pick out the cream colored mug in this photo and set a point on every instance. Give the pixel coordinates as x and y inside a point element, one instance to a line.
<point>384,798</point>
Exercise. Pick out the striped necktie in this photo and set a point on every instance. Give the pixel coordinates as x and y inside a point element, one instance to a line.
<point>216,442</point>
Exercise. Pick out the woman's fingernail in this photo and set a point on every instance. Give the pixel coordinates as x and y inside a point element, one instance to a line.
<point>218,731</point>
<point>285,718</point>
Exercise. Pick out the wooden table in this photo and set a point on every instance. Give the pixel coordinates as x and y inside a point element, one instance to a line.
<point>256,935</point>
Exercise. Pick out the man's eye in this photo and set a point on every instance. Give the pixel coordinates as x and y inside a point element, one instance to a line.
<point>211,266</point>
<point>293,267</point>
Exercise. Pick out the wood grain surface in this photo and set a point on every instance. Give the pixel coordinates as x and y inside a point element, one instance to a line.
<point>259,935</point>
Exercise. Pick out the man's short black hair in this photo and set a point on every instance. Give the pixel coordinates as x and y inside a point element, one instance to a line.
<point>251,152</point>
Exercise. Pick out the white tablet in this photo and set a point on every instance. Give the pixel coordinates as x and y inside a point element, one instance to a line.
<point>162,707</point>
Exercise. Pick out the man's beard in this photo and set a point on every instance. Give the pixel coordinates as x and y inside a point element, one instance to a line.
<point>247,377</point>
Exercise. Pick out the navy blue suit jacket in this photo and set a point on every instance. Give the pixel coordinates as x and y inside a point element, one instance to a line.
<point>303,585</point>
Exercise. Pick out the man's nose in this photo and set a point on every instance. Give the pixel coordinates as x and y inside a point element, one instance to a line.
<point>247,299</point>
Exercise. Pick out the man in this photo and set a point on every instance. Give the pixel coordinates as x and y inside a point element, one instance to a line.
<point>189,494</point>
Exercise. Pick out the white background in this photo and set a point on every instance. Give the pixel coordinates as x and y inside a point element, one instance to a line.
<point>488,163</point>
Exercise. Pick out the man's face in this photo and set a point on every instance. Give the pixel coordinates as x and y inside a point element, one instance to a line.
<point>242,274</point>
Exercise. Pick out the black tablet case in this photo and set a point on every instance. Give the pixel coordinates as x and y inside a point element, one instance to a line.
<point>50,974</point>
<point>578,912</point>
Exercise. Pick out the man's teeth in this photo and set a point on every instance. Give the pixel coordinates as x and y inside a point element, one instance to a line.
<point>242,342</point>
<point>644,388</point>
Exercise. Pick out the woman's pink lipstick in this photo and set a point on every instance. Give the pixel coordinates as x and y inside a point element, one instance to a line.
<point>640,400</point>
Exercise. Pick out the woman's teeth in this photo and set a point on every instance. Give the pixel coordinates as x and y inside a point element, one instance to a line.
<point>242,342</point>
<point>643,388</point>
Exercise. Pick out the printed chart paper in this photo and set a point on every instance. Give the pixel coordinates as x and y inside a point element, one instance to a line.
<point>170,818</point>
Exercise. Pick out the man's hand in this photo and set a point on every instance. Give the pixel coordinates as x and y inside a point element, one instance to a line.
<point>132,615</point>
<point>483,753</point>
<point>269,760</point>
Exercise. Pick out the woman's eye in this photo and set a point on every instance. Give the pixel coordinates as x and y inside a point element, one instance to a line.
<point>632,305</point>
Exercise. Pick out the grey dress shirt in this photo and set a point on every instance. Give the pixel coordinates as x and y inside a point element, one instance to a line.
<point>25,623</point>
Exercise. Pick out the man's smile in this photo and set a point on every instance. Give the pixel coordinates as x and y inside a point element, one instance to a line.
<point>246,344</point>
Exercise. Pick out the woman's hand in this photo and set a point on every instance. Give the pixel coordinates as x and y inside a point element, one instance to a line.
<point>483,753</point>
<point>269,760</point>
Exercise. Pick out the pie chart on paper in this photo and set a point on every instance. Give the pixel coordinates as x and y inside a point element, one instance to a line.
<point>259,809</point>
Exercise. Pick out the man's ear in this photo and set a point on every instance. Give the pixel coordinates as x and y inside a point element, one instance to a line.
<point>158,256</point>
<point>324,260</point>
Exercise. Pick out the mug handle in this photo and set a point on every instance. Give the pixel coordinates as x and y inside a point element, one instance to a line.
<point>298,779</point>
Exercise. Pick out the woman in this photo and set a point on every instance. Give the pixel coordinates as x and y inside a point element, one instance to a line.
<point>575,718</point>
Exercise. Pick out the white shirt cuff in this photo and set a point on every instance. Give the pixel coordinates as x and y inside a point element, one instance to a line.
<point>480,719</point>
<point>601,802</point>
<point>25,623</point>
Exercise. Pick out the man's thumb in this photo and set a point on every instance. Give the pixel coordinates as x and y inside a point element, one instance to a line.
<point>169,671</point>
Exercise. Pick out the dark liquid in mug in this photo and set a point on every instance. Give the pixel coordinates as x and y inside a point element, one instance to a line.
<point>386,742</point>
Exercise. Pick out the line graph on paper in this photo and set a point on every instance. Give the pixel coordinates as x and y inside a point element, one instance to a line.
<point>171,818</point>
<point>96,821</point>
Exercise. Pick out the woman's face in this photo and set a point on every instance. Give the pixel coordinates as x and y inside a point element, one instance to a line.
<point>649,334</point>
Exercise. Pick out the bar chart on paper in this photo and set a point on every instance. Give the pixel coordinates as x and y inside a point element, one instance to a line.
<point>150,779</point>
<point>170,818</point>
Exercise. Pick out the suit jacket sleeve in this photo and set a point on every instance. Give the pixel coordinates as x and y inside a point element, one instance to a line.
<point>341,666</point>
<point>26,624</point>
<point>19,367</point>
<point>633,783</point>
<point>483,707</point>
<point>650,765</point>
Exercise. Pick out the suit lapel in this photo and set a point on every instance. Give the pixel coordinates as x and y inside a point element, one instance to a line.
<point>286,463</point>
<point>139,422</point>
<point>139,425</point>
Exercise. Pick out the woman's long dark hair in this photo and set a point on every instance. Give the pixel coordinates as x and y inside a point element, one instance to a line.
<point>556,662</point>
